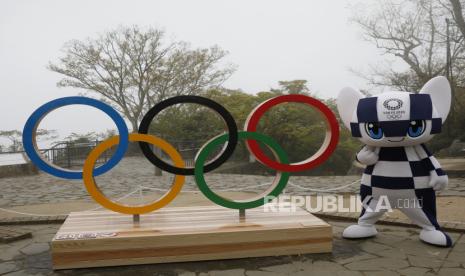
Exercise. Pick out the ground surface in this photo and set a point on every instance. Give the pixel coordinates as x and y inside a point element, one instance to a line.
<point>131,174</point>
<point>133,181</point>
<point>11,159</point>
<point>395,251</point>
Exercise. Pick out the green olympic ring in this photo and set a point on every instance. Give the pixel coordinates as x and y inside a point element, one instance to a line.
<point>275,189</point>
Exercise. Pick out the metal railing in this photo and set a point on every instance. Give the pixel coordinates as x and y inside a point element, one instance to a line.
<point>69,154</point>
<point>72,154</point>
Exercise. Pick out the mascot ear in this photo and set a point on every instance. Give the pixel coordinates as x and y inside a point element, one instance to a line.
<point>439,90</point>
<point>347,102</point>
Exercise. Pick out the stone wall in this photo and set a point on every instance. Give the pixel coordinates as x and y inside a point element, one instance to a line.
<point>18,170</point>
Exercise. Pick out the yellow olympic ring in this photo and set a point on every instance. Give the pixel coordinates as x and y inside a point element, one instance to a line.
<point>97,195</point>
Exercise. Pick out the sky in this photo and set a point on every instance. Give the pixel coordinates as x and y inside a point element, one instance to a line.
<point>267,40</point>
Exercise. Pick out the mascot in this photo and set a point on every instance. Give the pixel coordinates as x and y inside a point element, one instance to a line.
<point>394,127</point>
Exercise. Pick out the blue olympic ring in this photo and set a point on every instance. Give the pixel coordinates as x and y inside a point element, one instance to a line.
<point>33,121</point>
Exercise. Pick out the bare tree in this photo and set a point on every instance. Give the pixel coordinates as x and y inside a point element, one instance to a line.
<point>133,68</point>
<point>457,13</point>
<point>15,137</point>
<point>413,31</point>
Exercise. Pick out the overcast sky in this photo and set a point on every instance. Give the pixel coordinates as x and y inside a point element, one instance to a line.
<point>268,40</point>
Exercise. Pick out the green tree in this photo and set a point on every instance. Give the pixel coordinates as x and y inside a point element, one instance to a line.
<point>81,138</point>
<point>297,128</point>
<point>292,87</point>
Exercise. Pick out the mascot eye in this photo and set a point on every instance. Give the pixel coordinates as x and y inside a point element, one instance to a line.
<point>373,130</point>
<point>416,128</point>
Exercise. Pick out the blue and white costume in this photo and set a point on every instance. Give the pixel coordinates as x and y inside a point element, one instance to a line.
<point>401,172</point>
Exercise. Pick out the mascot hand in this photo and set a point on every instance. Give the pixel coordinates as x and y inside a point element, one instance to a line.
<point>438,182</point>
<point>367,156</point>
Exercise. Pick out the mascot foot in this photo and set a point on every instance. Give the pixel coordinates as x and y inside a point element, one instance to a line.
<point>436,237</point>
<point>359,232</point>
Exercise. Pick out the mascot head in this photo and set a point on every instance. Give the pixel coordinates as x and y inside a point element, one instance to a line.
<point>396,119</point>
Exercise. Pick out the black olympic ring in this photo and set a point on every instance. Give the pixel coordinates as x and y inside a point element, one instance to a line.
<point>215,163</point>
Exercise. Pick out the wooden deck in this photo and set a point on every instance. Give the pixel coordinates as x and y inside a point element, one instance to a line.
<point>179,234</point>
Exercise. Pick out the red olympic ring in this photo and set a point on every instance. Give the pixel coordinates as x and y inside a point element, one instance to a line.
<point>326,149</point>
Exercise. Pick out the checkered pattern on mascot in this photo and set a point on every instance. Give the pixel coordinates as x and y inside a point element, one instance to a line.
<point>400,173</point>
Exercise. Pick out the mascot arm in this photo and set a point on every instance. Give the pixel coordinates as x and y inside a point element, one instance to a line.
<point>367,155</point>
<point>438,178</point>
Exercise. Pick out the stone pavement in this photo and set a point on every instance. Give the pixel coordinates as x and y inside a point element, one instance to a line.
<point>395,251</point>
<point>134,171</point>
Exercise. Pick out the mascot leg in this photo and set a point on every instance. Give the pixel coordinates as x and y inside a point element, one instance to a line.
<point>365,227</point>
<point>369,216</point>
<point>423,213</point>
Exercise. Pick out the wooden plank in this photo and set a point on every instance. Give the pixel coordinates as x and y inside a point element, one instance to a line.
<point>192,224</point>
<point>177,234</point>
<point>163,218</point>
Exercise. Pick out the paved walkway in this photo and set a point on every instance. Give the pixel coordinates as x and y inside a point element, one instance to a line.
<point>133,172</point>
<point>395,251</point>
<point>11,159</point>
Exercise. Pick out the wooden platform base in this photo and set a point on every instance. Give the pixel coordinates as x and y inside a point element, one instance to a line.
<point>95,239</point>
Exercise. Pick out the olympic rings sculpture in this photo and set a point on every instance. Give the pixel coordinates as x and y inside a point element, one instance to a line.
<point>230,139</point>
